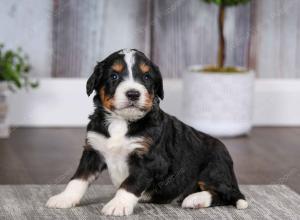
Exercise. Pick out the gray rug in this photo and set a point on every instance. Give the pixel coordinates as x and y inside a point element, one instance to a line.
<point>28,202</point>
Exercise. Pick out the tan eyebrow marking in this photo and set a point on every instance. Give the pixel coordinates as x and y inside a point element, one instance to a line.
<point>144,68</point>
<point>118,67</point>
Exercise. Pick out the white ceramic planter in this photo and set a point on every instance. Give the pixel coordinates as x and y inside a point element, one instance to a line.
<point>219,104</point>
<point>4,125</point>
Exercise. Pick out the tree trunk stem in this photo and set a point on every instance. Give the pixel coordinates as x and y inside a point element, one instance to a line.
<point>221,50</point>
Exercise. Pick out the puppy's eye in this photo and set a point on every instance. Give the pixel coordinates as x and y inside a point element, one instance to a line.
<point>146,77</point>
<point>114,76</point>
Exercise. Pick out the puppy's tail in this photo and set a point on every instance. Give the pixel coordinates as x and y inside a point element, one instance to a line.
<point>241,204</point>
<point>233,197</point>
<point>238,199</point>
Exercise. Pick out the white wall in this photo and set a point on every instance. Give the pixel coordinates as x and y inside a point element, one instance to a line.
<point>63,103</point>
<point>28,24</point>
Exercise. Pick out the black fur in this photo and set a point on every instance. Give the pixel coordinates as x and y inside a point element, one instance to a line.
<point>91,164</point>
<point>180,159</point>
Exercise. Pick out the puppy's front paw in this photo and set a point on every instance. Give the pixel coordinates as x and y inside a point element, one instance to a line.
<point>62,201</point>
<point>122,204</point>
<point>117,208</point>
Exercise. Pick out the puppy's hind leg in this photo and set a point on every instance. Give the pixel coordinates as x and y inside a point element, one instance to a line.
<point>201,199</point>
<point>205,199</point>
<point>91,164</point>
<point>218,187</point>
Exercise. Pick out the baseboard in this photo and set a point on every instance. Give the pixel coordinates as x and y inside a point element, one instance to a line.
<point>63,102</point>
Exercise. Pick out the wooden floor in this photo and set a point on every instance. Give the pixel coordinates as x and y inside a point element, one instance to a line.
<point>50,156</point>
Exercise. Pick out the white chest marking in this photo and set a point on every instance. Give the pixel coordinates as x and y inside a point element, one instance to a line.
<point>115,149</point>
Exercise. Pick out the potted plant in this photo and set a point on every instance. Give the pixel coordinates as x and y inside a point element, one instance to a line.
<point>14,74</point>
<point>219,98</point>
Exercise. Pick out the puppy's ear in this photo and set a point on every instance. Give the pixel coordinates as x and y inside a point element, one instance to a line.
<point>159,88</point>
<point>94,79</point>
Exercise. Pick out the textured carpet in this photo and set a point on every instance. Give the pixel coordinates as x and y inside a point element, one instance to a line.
<point>28,202</point>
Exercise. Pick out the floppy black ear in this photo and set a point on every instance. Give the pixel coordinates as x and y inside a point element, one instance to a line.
<point>91,84</point>
<point>159,88</point>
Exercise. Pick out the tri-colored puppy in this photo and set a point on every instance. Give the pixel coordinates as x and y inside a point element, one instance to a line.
<point>150,155</point>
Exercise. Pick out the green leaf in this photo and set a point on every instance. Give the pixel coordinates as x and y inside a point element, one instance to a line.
<point>34,84</point>
<point>15,68</point>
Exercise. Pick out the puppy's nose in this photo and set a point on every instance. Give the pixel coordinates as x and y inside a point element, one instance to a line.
<point>133,95</point>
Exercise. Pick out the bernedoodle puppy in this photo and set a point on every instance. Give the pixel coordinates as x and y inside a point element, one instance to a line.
<point>150,155</point>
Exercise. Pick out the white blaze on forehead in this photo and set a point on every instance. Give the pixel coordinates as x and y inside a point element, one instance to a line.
<point>129,60</point>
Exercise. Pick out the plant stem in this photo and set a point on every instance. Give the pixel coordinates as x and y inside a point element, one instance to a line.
<point>221,51</point>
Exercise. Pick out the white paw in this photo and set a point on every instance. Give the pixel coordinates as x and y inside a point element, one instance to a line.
<point>117,208</point>
<point>241,204</point>
<point>62,201</point>
<point>197,200</point>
